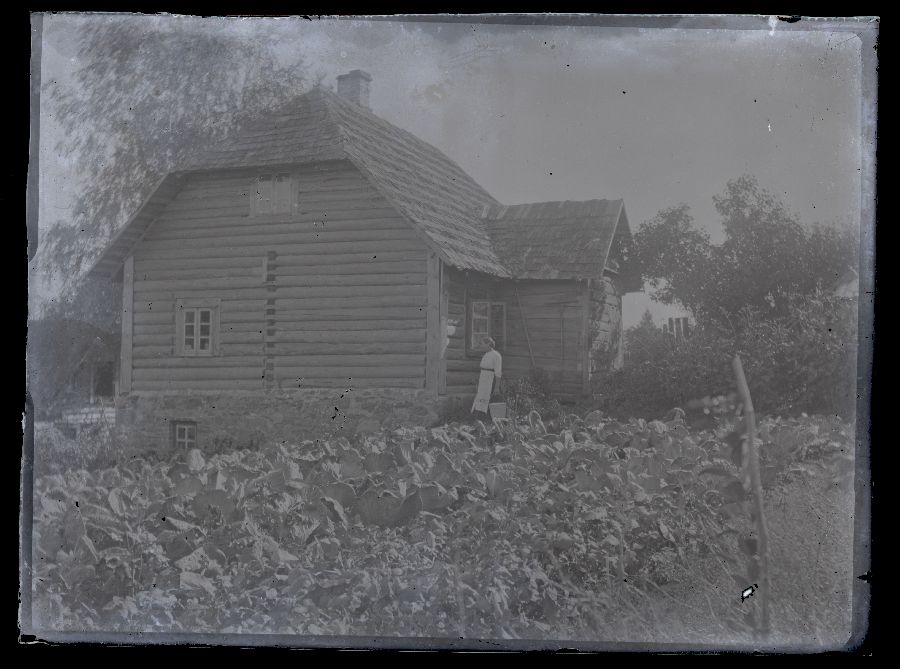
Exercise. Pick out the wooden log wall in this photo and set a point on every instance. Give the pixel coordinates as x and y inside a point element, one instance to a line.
<point>333,295</point>
<point>553,312</point>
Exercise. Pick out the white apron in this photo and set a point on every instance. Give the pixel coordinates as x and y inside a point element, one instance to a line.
<point>490,367</point>
<point>483,394</point>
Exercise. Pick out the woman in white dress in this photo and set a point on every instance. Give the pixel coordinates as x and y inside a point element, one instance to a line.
<point>491,368</point>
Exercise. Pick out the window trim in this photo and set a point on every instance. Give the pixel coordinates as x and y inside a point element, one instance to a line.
<point>270,178</point>
<point>196,306</point>
<point>474,348</point>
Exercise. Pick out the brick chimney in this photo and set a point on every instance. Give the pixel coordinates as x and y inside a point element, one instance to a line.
<point>354,86</point>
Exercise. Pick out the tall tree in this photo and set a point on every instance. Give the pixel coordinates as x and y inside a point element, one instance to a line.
<point>644,338</point>
<point>767,256</point>
<point>150,92</point>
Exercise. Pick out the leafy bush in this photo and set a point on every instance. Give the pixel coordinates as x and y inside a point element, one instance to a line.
<point>532,392</point>
<point>94,447</point>
<point>455,410</point>
<point>804,362</point>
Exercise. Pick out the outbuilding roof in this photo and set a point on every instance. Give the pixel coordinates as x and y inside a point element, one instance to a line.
<point>558,240</point>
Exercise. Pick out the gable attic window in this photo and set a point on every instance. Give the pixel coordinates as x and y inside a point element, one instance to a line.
<point>274,194</point>
<point>486,319</point>
<point>197,327</point>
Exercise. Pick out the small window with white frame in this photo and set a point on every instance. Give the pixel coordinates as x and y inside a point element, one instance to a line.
<point>184,434</point>
<point>274,194</point>
<point>481,321</point>
<point>197,326</point>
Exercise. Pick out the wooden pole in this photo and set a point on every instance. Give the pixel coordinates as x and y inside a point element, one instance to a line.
<point>433,325</point>
<point>127,351</point>
<point>585,338</point>
<point>762,553</point>
<point>524,325</point>
<point>443,320</point>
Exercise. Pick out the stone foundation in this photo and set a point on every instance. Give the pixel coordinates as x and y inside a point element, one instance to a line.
<point>238,420</point>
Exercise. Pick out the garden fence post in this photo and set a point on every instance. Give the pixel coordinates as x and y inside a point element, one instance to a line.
<point>752,464</point>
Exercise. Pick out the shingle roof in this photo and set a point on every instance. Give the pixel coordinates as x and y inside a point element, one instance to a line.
<point>556,240</point>
<point>453,214</point>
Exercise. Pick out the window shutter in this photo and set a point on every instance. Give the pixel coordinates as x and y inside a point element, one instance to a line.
<point>275,194</point>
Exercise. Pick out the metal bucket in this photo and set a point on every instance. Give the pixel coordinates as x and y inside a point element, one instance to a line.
<point>497,409</point>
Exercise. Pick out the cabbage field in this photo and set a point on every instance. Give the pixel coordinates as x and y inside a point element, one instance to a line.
<point>582,528</point>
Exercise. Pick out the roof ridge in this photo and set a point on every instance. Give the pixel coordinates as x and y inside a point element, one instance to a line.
<point>594,199</point>
<point>329,108</point>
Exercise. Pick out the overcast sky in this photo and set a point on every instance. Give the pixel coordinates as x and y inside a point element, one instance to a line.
<point>653,116</point>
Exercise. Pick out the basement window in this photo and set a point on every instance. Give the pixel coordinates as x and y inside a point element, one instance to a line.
<point>197,327</point>
<point>274,194</point>
<point>184,434</point>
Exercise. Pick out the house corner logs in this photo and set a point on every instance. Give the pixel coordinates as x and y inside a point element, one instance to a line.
<point>270,334</point>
